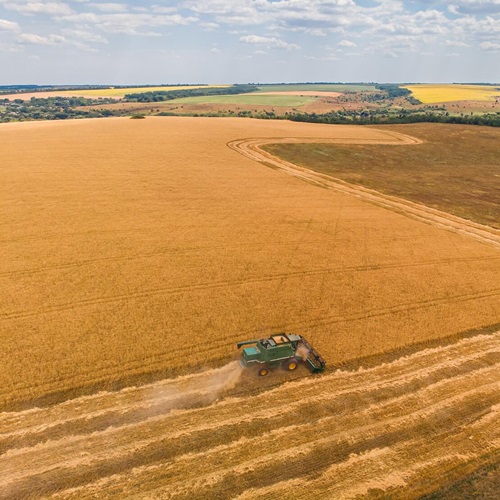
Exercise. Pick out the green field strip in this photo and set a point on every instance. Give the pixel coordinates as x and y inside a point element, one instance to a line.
<point>248,99</point>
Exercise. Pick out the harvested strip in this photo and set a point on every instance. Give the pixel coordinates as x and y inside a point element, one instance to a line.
<point>412,411</point>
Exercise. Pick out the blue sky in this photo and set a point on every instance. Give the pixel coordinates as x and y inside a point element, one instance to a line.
<point>230,41</point>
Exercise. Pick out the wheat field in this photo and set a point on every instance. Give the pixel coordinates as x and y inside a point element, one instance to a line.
<point>426,422</point>
<point>133,250</point>
<point>136,253</point>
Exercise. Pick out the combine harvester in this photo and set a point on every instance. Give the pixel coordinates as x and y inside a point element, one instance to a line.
<point>281,349</point>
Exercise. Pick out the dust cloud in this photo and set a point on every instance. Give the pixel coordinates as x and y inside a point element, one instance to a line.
<point>193,390</point>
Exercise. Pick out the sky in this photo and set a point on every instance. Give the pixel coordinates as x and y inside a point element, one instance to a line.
<point>242,41</point>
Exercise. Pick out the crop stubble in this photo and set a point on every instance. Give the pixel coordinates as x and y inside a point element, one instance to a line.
<point>399,429</point>
<point>135,249</point>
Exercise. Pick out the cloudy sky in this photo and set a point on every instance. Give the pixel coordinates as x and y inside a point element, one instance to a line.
<point>230,41</point>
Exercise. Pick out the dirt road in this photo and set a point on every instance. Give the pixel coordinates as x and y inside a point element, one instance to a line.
<point>251,148</point>
<point>405,427</point>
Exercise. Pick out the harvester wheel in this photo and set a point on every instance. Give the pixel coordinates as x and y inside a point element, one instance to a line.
<point>263,371</point>
<point>291,364</point>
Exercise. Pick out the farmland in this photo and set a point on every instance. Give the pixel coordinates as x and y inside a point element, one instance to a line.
<point>315,102</point>
<point>319,87</point>
<point>112,92</point>
<point>456,170</point>
<point>430,94</point>
<point>248,99</point>
<point>399,429</point>
<point>136,253</point>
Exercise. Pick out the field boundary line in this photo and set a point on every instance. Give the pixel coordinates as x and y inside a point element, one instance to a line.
<point>252,148</point>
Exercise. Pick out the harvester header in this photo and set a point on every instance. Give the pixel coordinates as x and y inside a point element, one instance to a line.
<point>281,349</point>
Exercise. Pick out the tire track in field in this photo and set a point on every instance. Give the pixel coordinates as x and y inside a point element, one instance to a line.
<point>326,320</point>
<point>409,306</point>
<point>251,148</point>
<point>432,400</point>
<point>201,286</point>
<point>127,258</point>
<point>123,258</point>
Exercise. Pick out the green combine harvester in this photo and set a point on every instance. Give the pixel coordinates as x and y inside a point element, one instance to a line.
<point>285,350</point>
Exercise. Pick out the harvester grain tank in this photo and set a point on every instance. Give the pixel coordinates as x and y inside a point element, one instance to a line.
<point>285,350</point>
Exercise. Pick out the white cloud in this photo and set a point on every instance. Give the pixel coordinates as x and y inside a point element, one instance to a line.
<point>210,26</point>
<point>346,43</point>
<point>390,54</point>
<point>490,46</point>
<point>51,8</point>
<point>109,7</point>
<point>7,47</point>
<point>159,9</point>
<point>476,6</point>
<point>454,43</point>
<point>86,36</point>
<point>128,24</point>
<point>8,25</point>
<point>31,38</point>
<point>52,40</point>
<point>271,42</point>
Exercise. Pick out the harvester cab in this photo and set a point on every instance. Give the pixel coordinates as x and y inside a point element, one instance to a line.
<point>281,349</point>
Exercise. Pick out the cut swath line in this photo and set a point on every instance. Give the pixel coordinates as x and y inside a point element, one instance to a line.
<point>252,149</point>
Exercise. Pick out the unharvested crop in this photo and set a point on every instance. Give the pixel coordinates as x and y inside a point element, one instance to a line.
<point>135,249</point>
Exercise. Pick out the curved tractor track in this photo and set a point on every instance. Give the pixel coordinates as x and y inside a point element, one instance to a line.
<point>252,148</point>
<point>402,428</point>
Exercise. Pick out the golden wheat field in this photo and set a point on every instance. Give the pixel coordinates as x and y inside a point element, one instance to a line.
<point>433,93</point>
<point>136,253</point>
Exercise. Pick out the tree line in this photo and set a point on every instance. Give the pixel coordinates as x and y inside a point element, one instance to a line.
<point>168,95</point>
<point>380,118</point>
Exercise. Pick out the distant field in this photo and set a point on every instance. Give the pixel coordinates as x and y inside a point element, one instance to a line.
<point>111,92</point>
<point>430,94</point>
<point>248,99</point>
<point>133,90</point>
<point>457,169</point>
<point>329,87</point>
